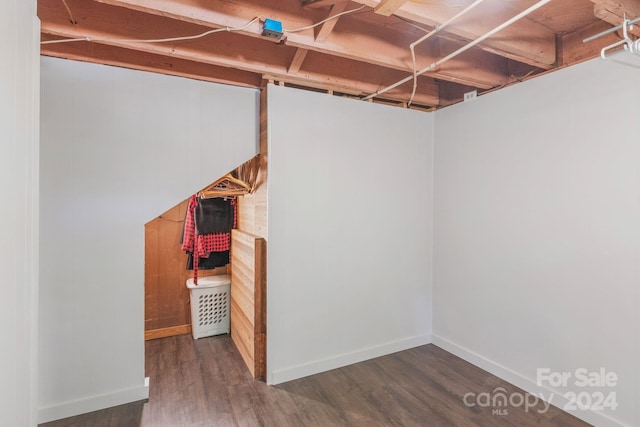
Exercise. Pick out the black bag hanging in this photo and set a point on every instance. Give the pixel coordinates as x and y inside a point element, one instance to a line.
<point>213,215</point>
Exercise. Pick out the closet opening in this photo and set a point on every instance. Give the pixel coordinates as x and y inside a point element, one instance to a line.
<point>205,266</point>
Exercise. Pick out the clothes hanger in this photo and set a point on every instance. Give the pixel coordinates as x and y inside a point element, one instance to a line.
<point>228,185</point>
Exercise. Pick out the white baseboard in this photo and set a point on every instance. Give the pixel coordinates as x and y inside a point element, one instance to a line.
<point>94,403</point>
<point>334,362</point>
<point>528,385</point>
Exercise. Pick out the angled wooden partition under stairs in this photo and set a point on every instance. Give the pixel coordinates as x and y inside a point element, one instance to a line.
<point>167,309</point>
<point>248,300</point>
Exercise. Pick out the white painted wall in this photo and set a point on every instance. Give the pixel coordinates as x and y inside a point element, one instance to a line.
<point>537,231</point>
<point>19,82</point>
<point>350,204</point>
<point>119,147</point>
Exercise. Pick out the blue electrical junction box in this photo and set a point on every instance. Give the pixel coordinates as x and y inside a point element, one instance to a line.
<point>272,29</point>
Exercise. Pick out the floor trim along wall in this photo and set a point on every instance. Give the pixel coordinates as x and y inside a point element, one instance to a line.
<point>94,403</point>
<point>167,332</point>
<point>526,384</point>
<point>322,365</point>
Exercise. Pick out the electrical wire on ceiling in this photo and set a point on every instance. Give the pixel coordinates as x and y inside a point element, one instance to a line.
<point>464,48</point>
<point>171,39</point>
<point>415,72</point>
<point>196,36</point>
<point>412,24</point>
<point>412,46</point>
<point>73,21</point>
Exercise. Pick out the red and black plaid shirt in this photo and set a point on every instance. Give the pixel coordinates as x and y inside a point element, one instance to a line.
<point>203,244</point>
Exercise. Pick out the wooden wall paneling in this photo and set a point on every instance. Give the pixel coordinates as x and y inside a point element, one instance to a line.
<point>165,292</point>
<point>248,302</point>
<point>246,213</point>
<point>167,309</point>
<point>252,208</point>
<point>174,305</point>
<point>260,209</point>
<point>249,278</point>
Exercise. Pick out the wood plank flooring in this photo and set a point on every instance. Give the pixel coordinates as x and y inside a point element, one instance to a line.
<point>205,383</point>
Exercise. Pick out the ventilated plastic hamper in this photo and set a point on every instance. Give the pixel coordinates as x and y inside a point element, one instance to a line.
<point>210,305</point>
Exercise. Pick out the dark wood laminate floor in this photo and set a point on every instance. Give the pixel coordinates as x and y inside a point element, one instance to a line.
<point>204,383</point>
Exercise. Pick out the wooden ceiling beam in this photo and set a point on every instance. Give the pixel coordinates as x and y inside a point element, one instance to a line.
<point>379,49</point>
<point>575,51</point>
<point>601,12</point>
<point>614,12</point>
<point>427,93</point>
<point>620,7</point>
<point>224,13</point>
<point>311,78</point>
<point>357,54</point>
<point>317,4</point>
<point>224,49</point>
<point>480,68</point>
<point>327,27</point>
<point>225,54</point>
<point>126,58</point>
<point>388,7</point>
<point>525,41</point>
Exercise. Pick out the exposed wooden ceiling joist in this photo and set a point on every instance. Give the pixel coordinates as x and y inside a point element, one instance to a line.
<point>126,58</point>
<point>526,42</point>
<point>327,27</point>
<point>630,8</point>
<point>358,53</point>
<point>575,51</point>
<point>316,4</point>
<point>388,7</point>
<point>231,50</point>
<point>383,48</point>
<point>614,12</point>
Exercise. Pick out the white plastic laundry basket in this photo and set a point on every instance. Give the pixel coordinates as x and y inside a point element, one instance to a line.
<point>210,305</point>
